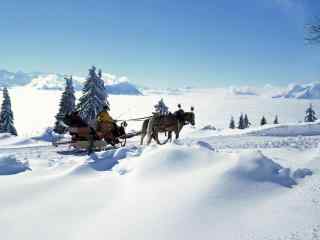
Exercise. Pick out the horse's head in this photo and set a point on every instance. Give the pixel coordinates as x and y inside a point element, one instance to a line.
<point>189,117</point>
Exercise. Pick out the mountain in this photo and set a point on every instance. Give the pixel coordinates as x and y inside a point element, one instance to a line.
<point>301,91</point>
<point>10,79</point>
<point>121,88</point>
<point>55,81</point>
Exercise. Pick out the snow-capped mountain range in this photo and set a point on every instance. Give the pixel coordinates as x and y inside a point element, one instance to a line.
<point>55,81</point>
<point>302,91</point>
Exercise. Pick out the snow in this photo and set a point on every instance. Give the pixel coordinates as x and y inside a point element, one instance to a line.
<point>245,90</point>
<point>259,183</point>
<point>302,91</point>
<point>259,168</point>
<point>10,165</point>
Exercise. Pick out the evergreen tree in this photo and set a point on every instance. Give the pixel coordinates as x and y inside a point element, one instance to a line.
<point>232,124</point>
<point>94,96</point>
<point>161,108</point>
<point>246,121</point>
<point>276,121</point>
<point>263,121</point>
<point>67,105</point>
<point>241,122</point>
<point>6,115</point>
<point>310,114</point>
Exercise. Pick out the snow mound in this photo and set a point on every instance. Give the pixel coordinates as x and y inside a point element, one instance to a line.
<point>258,168</point>
<point>5,136</point>
<point>301,173</point>
<point>48,136</point>
<point>234,170</point>
<point>104,161</point>
<point>164,161</point>
<point>10,165</point>
<point>209,127</point>
<point>288,130</point>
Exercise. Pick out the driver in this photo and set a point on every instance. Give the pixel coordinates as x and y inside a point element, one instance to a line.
<point>105,123</point>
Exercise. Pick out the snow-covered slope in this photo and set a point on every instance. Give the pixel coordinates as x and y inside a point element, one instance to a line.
<point>261,183</point>
<point>302,91</point>
<point>178,191</point>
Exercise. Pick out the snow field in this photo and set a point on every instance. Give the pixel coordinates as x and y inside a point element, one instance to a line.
<point>211,184</point>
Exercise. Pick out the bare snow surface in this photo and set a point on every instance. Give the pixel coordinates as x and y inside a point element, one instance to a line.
<point>262,183</point>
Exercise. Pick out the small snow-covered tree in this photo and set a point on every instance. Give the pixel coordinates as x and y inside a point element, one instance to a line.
<point>263,121</point>
<point>276,121</point>
<point>6,115</point>
<point>161,108</point>
<point>310,114</point>
<point>94,96</point>
<point>67,105</point>
<point>232,124</point>
<point>241,122</point>
<point>246,121</point>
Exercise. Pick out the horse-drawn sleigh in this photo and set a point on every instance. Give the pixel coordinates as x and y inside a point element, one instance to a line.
<point>88,137</point>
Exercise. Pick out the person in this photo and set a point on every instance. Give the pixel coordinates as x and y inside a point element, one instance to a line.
<point>105,124</point>
<point>179,113</point>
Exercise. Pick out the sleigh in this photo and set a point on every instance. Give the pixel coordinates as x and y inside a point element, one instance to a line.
<point>89,139</point>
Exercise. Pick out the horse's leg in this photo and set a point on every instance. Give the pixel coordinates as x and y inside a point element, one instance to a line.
<point>169,136</point>
<point>150,130</point>
<point>150,135</point>
<point>143,134</point>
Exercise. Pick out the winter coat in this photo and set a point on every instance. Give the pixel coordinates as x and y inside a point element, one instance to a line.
<point>104,117</point>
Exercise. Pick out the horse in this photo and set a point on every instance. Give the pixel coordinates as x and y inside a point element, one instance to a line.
<point>167,124</point>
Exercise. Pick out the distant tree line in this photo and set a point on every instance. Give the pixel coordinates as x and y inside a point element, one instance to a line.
<point>243,123</point>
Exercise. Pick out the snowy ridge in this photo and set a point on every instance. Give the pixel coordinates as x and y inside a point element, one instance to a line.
<point>57,82</point>
<point>302,91</point>
<point>9,79</point>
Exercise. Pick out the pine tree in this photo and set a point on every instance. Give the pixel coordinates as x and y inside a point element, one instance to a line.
<point>263,121</point>
<point>246,121</point>
<point>276,121</point>
<point>94,96</point>
<point>67,105</point>
<point>241,122</point>
<point>310,114</point>
<point>6,115</point>
<point>161,108</point>
<point>232,124</point>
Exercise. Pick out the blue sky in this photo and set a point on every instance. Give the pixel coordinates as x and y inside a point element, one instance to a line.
<point>164,43</point>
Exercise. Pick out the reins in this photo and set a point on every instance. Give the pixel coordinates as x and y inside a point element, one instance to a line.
<point>134,119</point>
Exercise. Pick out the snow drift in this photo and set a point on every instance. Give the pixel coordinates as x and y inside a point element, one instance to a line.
<point>286,130</point>
<point>10,165</point>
